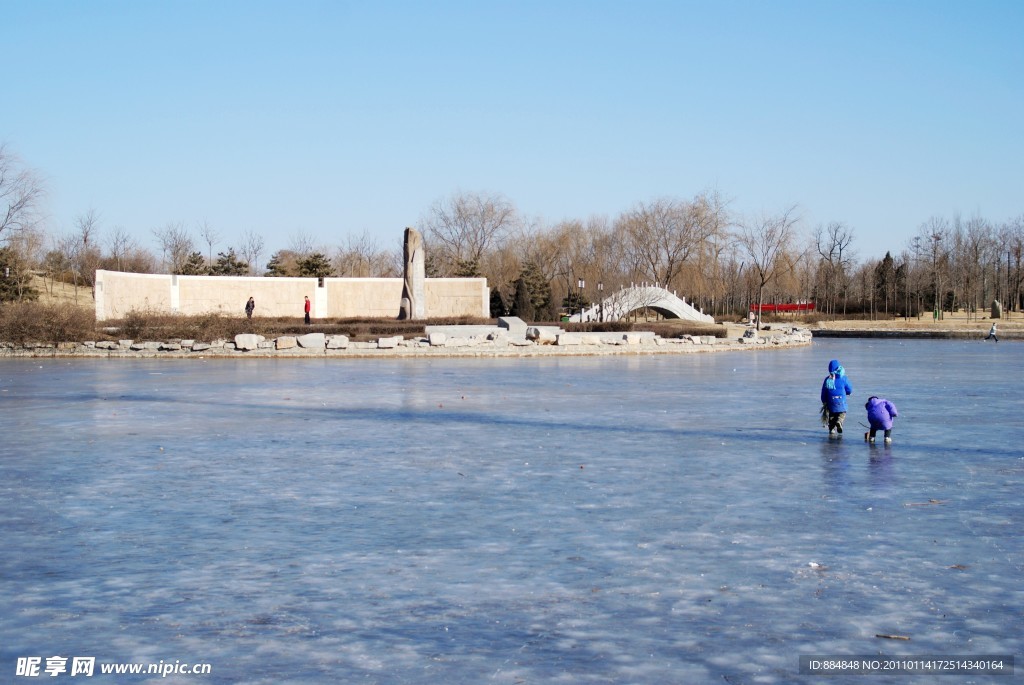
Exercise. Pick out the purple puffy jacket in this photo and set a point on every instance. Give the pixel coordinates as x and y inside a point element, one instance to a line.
<point>881,412</point>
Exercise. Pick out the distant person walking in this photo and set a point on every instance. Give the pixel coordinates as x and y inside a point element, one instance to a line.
<point>249,307</point>
<point>992,333</point>
<point>881,412</point>
<point>307,309</point>
<point>834,390</point>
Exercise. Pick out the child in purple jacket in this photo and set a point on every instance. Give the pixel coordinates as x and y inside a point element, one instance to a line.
<point>881,412</point>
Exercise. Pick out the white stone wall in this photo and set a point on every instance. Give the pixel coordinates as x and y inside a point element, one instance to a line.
<point>118,293</point>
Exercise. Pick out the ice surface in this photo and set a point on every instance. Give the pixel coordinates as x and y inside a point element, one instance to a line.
<point>679,519</point>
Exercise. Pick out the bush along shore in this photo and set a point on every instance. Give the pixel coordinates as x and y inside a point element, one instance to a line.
<point>439,341</point>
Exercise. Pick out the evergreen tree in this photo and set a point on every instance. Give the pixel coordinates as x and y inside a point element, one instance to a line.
<point>522,305</point>
<point>316,265</point>
<point>195,265</point>
<point>282,263</point>
<point>15,277</point>
<point>467,268</point>
<point>499,307</point>
<point>885,283</point>
<point>539,288</point>
<point>228,264</point>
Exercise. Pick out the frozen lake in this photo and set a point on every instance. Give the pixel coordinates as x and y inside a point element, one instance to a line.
<point>667,519</point>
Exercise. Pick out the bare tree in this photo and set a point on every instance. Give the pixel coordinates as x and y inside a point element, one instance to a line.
<point>302,244</point>
<point>933,235</point>
<point>833,246</point>
<point>176,246</point>
<point>763,241</point>
<point>975,249</point>
<point>362,257</point>
<point>465,226</point>
<point>707,281</point>
<point>1011,236</point>
<point>251,249</point>
<point>21,193</point>
<point>119,242</point>
<point>210,236</point>
<point>18,257</point>
<point>665,234</point>
<point>88,254</point>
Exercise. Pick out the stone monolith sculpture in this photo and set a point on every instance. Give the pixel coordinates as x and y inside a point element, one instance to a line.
<point>413,287</point>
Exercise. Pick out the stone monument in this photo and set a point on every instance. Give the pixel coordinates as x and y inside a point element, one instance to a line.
<point>997,309</point>
<point>414,286</point>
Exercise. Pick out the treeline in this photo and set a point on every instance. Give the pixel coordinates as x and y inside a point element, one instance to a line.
<point>697,247</point>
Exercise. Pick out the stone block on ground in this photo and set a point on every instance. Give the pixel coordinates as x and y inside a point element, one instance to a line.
<point>337,342</point>
<point>543,335</point>
<point>513,324</point>
<point>286,342</point>
<point>312,341</point>
<point>248,341</point>
<point>389,343</point>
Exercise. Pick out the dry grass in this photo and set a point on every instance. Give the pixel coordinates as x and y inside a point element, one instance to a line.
<point>23,322</point>
<point>51,293</point>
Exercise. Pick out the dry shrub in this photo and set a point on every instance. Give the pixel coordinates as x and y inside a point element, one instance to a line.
<point>19,322</point>
<point>597,326</point>
<point>68,323</point>
<point>147,324</point>
<point>677,328</point>
<point>26,322</point>
<point>135,324</point>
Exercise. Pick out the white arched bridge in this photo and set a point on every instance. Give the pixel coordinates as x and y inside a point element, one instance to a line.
<point>619,304</point>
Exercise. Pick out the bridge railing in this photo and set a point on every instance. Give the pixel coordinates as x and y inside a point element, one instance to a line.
<point>629,299</point>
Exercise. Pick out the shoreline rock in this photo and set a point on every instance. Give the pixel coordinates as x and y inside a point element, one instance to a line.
<point>433,345</point>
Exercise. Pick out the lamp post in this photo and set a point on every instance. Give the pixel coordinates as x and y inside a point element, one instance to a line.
<point>600,299</point>
<point>936,237</point>
<point>579,295</point>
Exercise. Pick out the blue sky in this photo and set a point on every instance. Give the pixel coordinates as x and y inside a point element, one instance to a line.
<point>336,119</point>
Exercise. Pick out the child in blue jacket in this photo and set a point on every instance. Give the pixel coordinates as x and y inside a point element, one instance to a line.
<point>881,412</point>
<point>833,396</point>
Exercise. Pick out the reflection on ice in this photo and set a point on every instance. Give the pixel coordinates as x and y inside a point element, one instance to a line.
<point>650,520</point>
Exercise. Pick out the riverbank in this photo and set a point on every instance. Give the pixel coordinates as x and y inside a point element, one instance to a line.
<point>494,341</point>
<point>474,341</point>
<point>958,326</point>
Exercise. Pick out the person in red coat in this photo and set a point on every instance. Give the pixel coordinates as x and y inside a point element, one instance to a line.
<point>307,310</point>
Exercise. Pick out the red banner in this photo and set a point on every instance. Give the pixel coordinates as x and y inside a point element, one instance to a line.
<point>789,307</point>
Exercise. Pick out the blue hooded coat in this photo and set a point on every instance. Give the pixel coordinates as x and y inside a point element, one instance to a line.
<point>835,388</point>
<point>881,412</point>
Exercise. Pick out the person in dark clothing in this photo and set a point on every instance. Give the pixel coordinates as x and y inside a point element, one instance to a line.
<point>249,307</point>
